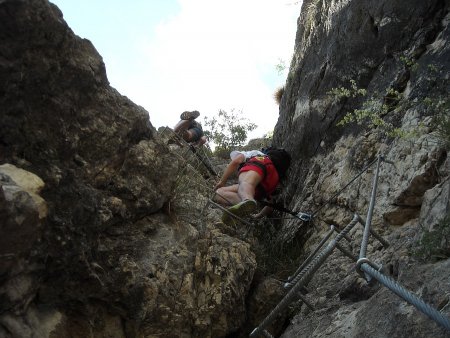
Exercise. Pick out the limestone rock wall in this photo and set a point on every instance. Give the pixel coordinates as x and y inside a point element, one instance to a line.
<point>90,243</point>
<point>379,45</point>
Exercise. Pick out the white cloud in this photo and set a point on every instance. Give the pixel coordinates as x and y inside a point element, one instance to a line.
<point>213,55</point>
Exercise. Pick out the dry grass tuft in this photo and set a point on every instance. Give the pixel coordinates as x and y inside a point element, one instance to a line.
<point>278,95</point>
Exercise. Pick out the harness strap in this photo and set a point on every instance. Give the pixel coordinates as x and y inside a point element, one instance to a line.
<point>262,166</point>
<point>258,164</point>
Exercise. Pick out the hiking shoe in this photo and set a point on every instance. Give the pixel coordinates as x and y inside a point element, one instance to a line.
<point>243,208</point>
<point>189,115</point>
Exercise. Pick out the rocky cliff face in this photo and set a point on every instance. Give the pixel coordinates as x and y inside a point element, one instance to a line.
<point>103,235</point>
<point>381,47</point>
<point>89,245</point>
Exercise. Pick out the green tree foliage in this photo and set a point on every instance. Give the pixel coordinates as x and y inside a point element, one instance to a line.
<point>281,66</point>
<point>373,110</point>
<point>228,130</point>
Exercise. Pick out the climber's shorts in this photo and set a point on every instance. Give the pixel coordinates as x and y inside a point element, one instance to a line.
<point>269,183</point>
<point>197,133</point>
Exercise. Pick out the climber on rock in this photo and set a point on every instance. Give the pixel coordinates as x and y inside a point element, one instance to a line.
<point>259,173</point>
<point>190,130</point>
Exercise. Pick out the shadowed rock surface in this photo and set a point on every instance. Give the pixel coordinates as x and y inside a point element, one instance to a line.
<point>107,258</point>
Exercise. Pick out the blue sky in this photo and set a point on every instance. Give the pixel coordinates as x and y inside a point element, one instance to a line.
<point>174,55</point>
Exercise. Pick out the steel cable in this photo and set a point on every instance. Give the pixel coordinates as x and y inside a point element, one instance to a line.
<point>310,257</point>
<point>366,233</point>
<point>292,294</point>
<point>311,268</point>
<point>304,276</point>
<point>408,296</point>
